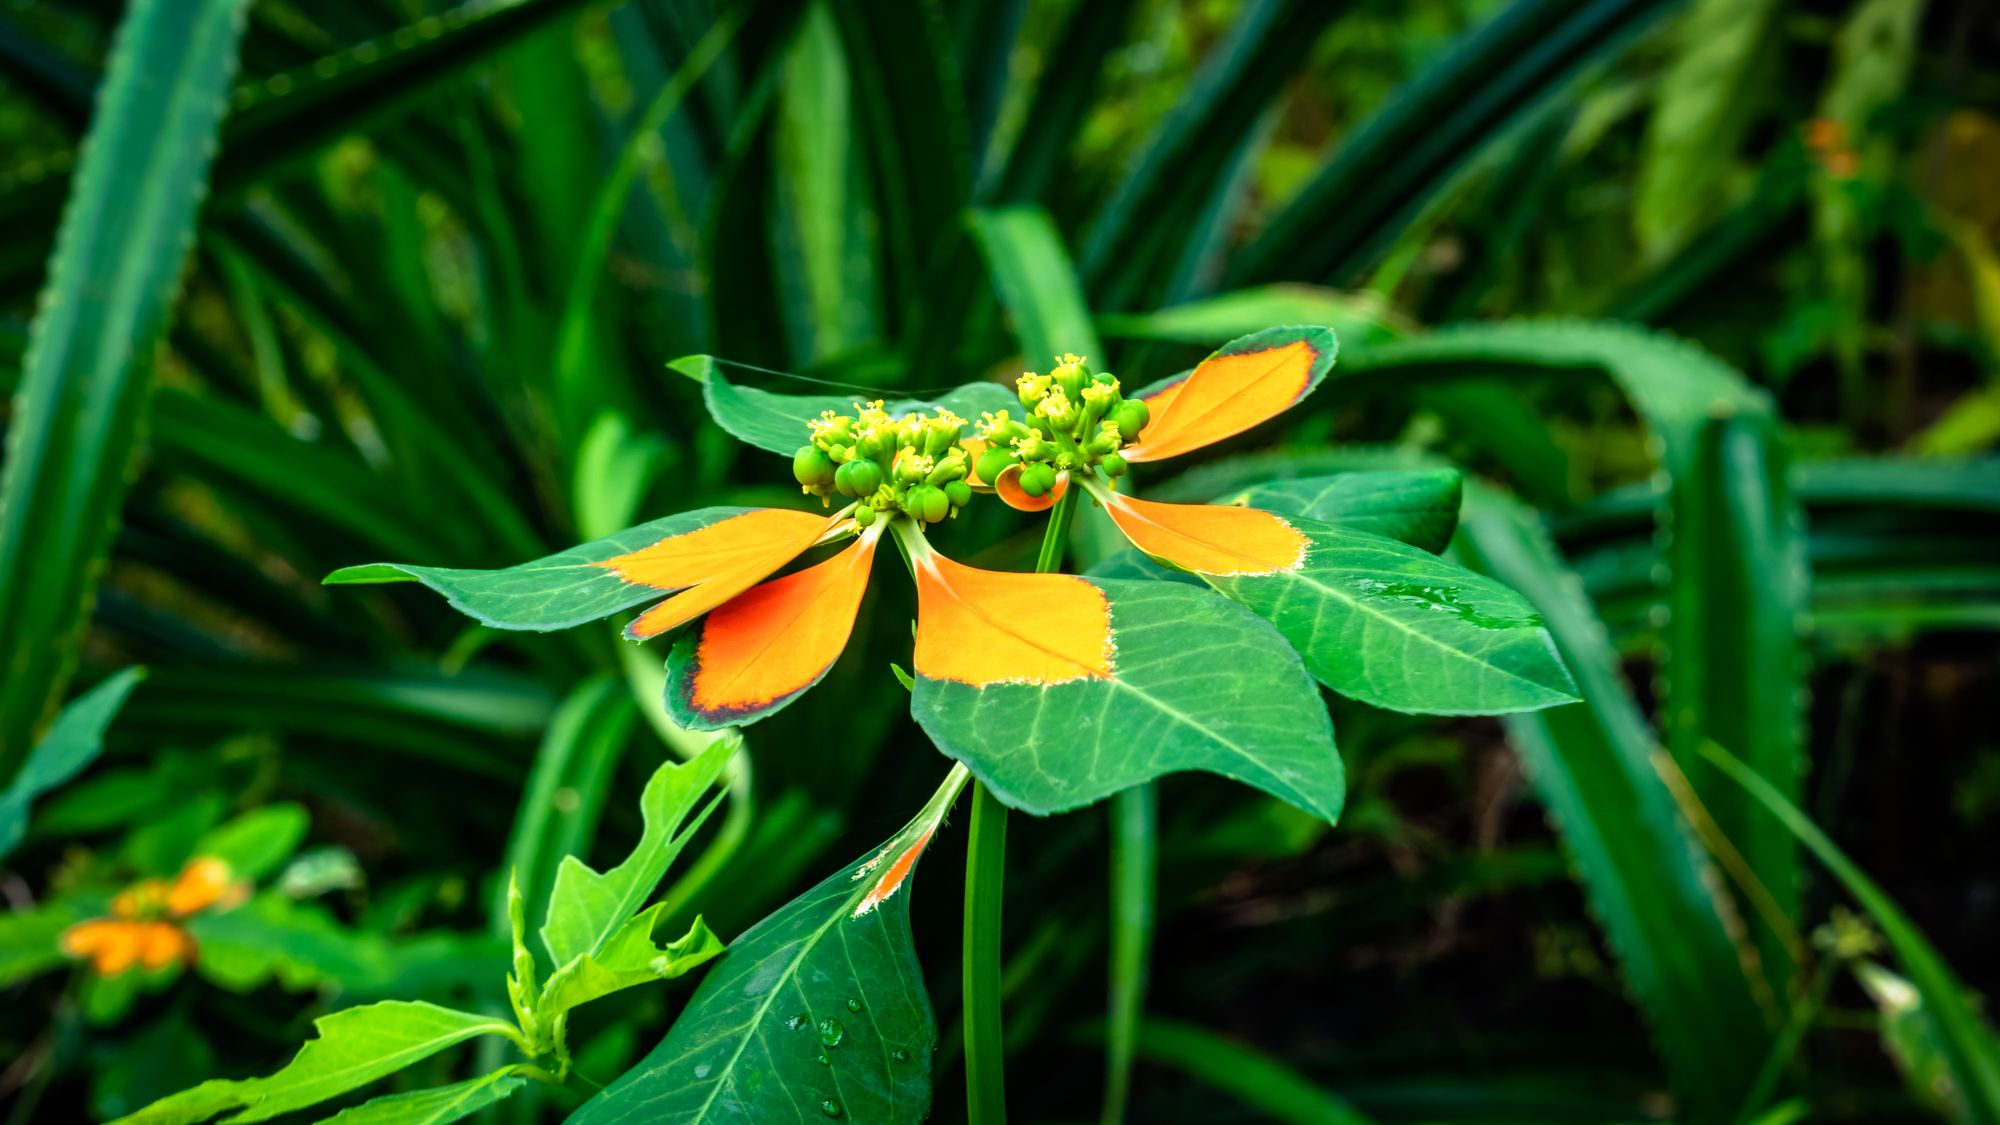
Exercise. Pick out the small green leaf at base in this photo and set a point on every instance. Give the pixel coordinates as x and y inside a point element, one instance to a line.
<point>437,1106</point>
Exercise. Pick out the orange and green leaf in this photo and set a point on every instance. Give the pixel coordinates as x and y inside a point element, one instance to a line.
<point>1208,538</point>
<point>731,557</point>
<point>981,627</point>
<point>760,650</point>
<point>600,578</point>
<point>1247,381</point>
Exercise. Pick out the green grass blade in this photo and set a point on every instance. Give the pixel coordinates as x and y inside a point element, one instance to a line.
<point>1031,272</point>
<point>1591,763</point>
<point>1250,1075</point>
<point>1968,1043</point>
<point>112,280</point>
<point>1411,148</point>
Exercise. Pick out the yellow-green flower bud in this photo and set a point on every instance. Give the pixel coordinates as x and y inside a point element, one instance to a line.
<point>958,492</point>
<point>912,468</point>
<point>812,467</point>
<point>1098,400</point>
<point>992,462</point>
<point>1113,466</point>
<point>1034,447</point>
<point>1057,408</point>
<point>926,503</point>
<point>1031,388</point>
<point>949,467</point>
<point>1131,416</point>
<point>1070,373</point>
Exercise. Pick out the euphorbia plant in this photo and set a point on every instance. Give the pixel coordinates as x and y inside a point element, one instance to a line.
<point>1054,690</point>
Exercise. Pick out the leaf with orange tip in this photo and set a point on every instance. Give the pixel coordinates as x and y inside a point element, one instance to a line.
<point>821,1004</point>
<point>633,567</point>
<point>728,559</point>
<point>1008,488</point>
<point>760,650</point>
<point>1246,381</point>
<point>1058,690</point>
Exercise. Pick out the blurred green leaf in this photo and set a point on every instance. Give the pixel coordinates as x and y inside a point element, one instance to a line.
<point>74,740</point>
<point>1250,1075</point>
<point>257,842</point>
<point>117,264</point>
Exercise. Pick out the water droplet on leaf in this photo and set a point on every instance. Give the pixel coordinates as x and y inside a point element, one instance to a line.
<point>853,1005</point>
<point>823,1060</point>
<point>900,1055</point>
<point>796,1022</point>
<point>830,1032</point>
<point>830,1107</point>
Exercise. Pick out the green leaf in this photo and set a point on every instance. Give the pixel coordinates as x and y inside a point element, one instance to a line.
<point>1592,764</point>
<point>29,939</point>
<point>435,1106</point>
<point>777,422</point>
<point>1417,506</point>
<point>73,742</point>
<point>257,842</point>
<point>1706,99</point>
<point>1394,163</point>
<point>831,975</point>
<point>1198,683</point>
<point>1388,624</point>
<point>630,957</point>
<point>564,797</point>
<point>75,423</point>
<point>587,908</point>
<point>1970,1050</point>
<point>1032,275</point>
<point>557,592</point>
<point>353,1048</point>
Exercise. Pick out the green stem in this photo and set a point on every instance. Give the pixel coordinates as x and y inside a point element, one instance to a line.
<point>1134,860</point>
<point>1787,1044</point>
<point>985,880</point>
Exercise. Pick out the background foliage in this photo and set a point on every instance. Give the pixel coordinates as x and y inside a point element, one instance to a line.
<point>1703,296</point>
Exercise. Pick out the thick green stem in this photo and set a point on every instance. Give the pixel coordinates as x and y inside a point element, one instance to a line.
<point>985,880</point>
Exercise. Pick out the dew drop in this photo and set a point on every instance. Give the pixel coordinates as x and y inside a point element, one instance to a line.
<point>701,1070</point>
<point>830,1032</point>
<point>853,1005</point>
<point>823,1060</point>
<point>830,1107</point>
<point>900,1055</point>
<point>796,1022</point>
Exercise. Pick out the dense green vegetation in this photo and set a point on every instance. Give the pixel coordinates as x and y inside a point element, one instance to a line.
<point>1667,343</point>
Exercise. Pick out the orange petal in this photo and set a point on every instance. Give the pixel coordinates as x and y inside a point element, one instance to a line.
<point>86,938</point>
<point>718,569</point>
<point>201,884</point>
<point>1220,539</point>
<point>160,944</point>
<point>778,639</point>
<point>897,873</point>
<point>1008,489</point>
<point>718,550</point>
<point>1158,401</point>
<point>988,627</point>
<point>117,948</point>
<point>1227,394</point>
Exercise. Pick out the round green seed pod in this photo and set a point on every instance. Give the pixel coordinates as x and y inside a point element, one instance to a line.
<point>864,515</point>
<point>993,462</point>
<point>1038,478</point>
<point>1113,466</point>
<point>812,467</point>
<point>1131,416</point>
<point>864,476</point>
<point>959,493</point>
<point>936,505</point>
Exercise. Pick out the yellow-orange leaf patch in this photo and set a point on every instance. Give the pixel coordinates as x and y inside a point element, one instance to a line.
<point>1224,396</point>
<point>778,638</point>
<point>714,564</point>
<point>1210,539</point>
<point>898,872</point>
<point>984,627</point>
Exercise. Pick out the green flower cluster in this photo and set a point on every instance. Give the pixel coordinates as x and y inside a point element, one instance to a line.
<point>1074,419</point>
<point>912,464</point>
